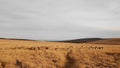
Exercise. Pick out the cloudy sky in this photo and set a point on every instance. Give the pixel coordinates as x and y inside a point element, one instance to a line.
<point>59,19</point>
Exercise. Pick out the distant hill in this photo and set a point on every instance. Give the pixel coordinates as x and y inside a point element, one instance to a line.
<point>84,40</point>
<point>18,39</point>
<point>110,41</point>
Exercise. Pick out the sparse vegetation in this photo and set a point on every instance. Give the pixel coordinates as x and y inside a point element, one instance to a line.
<point>34,54</point>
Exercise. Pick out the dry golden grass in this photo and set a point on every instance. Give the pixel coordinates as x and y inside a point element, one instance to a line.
<point>34,54</point>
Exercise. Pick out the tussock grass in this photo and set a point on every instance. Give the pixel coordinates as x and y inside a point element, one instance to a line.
<point>33,54</point>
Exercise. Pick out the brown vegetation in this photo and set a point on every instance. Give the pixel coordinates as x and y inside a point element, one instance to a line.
<point>110,41</point>
<point>34,54</point>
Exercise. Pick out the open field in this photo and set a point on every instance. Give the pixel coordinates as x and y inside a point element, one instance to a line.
<point>35,54</point>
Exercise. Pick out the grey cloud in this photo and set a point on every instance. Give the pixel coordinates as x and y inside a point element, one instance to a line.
<point>57,20</point>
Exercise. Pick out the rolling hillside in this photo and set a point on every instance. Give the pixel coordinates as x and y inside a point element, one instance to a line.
<point>36,54</point>
<point>84,40</point>
<point>110,41</point>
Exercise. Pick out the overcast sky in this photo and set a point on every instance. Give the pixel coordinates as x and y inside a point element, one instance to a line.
<point>59,19</point>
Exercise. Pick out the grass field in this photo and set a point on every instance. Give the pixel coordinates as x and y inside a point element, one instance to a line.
<point>35,54</point>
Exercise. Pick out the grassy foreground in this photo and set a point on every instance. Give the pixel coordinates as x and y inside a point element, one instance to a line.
<point>34,54</point>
